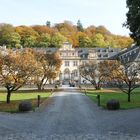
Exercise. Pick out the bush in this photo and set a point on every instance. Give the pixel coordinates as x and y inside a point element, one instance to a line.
<point>25,106</point>
<point>113,104</point>
<point>56,86</point>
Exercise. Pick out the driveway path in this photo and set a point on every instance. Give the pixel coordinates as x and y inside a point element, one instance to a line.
<point>70,115</point>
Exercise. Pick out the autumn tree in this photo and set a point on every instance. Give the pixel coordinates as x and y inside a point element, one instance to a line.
<point>43,29</point>
<point>98,40</point>
<point>8,36</point>
<point>16,68</point>
<point>43,41</point>
<point>49,66</point>
<point>28,36</point>
<point>102,30</point>
<point>122,41</point>
<point>56,40</point>
<point>66,28</point>
<point>85,42</point>
<point>93,72</point>
<point>133,19</point>
<point>90,31</point>
<point>126,77</point>
<point>54,36</point>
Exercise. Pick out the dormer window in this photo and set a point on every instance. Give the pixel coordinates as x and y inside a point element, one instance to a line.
<point>104,50</point>
<point>106,55</point>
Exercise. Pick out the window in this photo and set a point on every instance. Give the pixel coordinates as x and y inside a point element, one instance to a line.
<point>111,50</point>
<point>75,73</point>
<point>83,63</point>
<point>106,55</point>
<point>135,51</point>
<point>66,63</point>
<point>75,63</point>
<point>104,50</point>
<point>128,59</point>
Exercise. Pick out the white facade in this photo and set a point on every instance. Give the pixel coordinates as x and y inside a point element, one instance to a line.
<point>71,59</point>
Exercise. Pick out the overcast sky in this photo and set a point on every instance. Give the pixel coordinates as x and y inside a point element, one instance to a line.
<point>110,13</point>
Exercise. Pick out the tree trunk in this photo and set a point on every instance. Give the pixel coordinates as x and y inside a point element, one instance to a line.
<point>39,86</point>
<point>8,97</point>
<point>129,97</point>
<point>129,92</point>
<point>97,87</point>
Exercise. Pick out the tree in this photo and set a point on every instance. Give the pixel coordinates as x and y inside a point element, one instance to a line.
<point>43,40</point>
<point>133,19</point>
<point>16,68</point>
<point>49,66</point>
<point>98,40</point>
<point>48,24</point>
<point>43,29</point>
<point>80,26</point>
<point>84,42</point>
<point>93,72</point>
<point>57,39</point>
<point>126,77</point>
<point>122,41</point>
<point>90,31</point>
<point>8,36</point>
<point>102,30</point>
<point>28,36</point>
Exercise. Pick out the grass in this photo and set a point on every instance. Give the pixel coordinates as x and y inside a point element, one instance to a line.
<point>19,96</point>
<point>106,95</point>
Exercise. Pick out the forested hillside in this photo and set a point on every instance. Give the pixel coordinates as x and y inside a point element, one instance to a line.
<point>54,36</point>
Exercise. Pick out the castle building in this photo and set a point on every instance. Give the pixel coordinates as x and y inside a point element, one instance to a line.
<point>127,55</point>
<point>72,58</point>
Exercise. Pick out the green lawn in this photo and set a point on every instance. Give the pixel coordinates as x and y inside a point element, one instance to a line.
<point>24,96</point>
<point>17,97</point>
<point>106,95</point>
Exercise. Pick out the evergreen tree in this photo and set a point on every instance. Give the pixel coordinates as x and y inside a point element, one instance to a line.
<point>80,26</point>
<point>48,23</point>
<point>133,19</point>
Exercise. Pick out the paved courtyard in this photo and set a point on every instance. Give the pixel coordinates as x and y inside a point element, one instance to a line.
<point>70,115</point>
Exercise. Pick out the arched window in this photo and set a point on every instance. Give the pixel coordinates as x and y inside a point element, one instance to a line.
<point>66,73</point>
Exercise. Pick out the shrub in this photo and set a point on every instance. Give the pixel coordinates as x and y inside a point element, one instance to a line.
<point>25,106</point>
<point>113,104</point>
<point>56,86</point>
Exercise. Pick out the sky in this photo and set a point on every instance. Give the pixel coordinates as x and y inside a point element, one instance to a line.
<point>109,13</point>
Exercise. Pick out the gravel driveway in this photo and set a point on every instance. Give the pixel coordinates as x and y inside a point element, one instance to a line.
<point>70,115</point>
